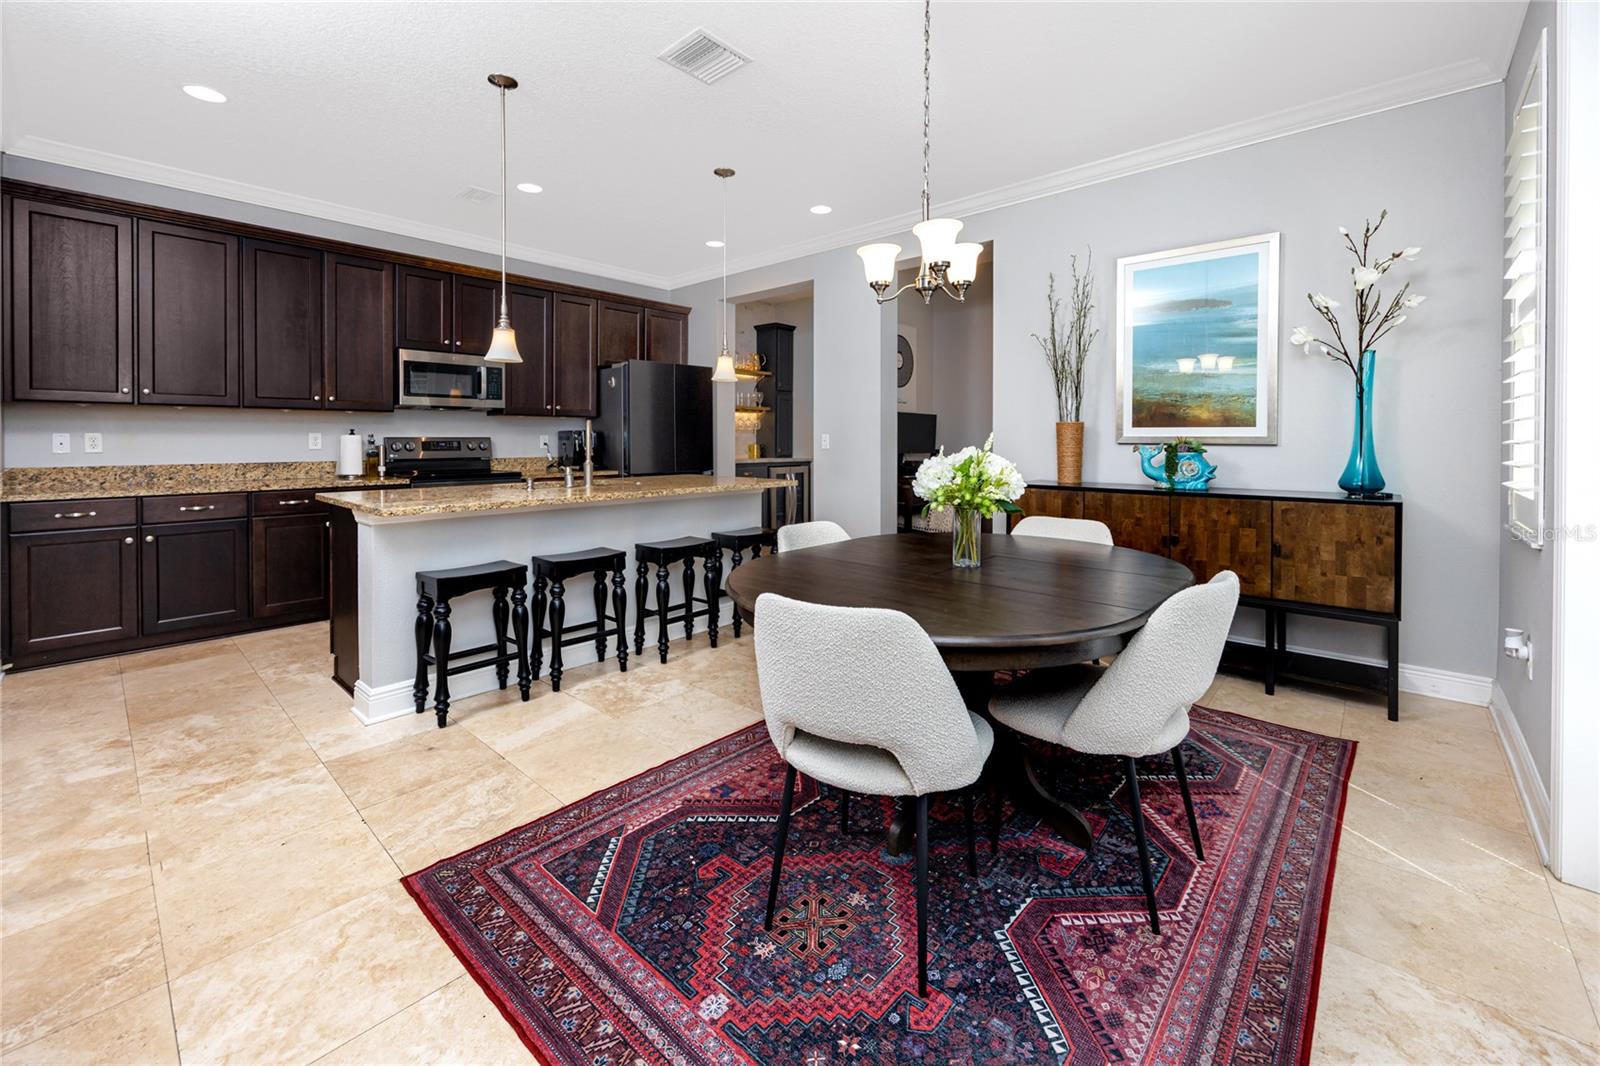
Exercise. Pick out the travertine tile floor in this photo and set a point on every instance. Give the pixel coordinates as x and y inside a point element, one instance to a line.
<point>202,847</point>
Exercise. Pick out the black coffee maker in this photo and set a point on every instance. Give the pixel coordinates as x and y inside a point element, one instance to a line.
<point>569,447</point>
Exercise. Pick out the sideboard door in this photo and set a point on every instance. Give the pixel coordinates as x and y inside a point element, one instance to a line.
<point>1336,554</point>
<point>1139,521</point>
<point>1054,503</point>
<point>1213,533</point>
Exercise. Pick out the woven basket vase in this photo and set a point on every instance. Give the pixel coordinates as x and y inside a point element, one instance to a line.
<point>1069,453</point>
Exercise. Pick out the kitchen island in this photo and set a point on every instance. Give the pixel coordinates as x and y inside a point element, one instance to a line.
<point>382,537</point>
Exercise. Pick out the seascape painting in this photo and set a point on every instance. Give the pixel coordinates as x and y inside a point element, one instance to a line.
<point>1197,343</point>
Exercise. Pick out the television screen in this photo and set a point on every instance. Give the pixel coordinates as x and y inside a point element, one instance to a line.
<point>916,434</point>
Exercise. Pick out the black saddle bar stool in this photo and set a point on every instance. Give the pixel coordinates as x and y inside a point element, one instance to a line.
<point>736,541</point>
<point>663,553</point>
<point>435,590</point>
<point>556,569</point>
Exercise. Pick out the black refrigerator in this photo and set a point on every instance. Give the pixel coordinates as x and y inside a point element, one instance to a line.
<point>655,418</point>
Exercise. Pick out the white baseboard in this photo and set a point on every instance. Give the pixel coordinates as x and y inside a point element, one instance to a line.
<point>1421,680</point>
<point>1535,800</point>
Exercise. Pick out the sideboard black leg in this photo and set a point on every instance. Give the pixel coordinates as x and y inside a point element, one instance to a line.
<point>441,662</point>
<point>1394,669</point>
<point>1270,634</point>
<point>424,628</point>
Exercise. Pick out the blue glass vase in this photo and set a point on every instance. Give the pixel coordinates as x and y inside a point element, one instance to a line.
<point>1361,475</point>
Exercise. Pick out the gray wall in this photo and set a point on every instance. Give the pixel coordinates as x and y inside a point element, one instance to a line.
<point>193,435</point>
<point>953,375</point>
<point>1527,576</point>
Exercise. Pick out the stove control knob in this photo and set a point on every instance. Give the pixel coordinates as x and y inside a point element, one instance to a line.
<point>410,447</point>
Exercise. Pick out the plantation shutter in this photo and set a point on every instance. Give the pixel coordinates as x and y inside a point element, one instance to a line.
<point>1522,387</point>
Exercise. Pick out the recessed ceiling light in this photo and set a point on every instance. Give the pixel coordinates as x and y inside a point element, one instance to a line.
<point>713,244</point>
<point>202,92</point>
<point>528,186</point>
<point>821,209</point>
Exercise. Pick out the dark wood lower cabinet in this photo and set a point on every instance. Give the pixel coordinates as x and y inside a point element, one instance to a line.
<point>1212,535</point>
<point>73,589</point>
<point>1137,521</point>
<point>194,575</point>
<point>289,565</point>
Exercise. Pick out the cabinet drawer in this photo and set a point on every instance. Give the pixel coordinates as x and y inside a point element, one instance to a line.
<point>286,501</point>
<point>156,509</point>
<point>72,514</point>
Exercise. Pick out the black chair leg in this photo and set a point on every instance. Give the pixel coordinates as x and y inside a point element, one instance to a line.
<point>922,896</point>
<point>738,623</point>
<point>424,633</point>
<point>844,813</point>
<point>1132,771</point>
<point>619,608</point>
<point>713,581</point>
<point>519,629</point>
<point>972,838</point>
<point>663,604</point>
<point>783,838</point>
<point>599,616</point>
<point>688,598</point>
<point>1188,804</point>
<point>536,646</point>
<point>558,626</point>
<point>639,608</point>
<point>501,612</point>
<point>441,662</point>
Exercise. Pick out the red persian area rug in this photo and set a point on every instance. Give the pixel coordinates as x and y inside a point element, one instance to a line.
<point>627,928</point>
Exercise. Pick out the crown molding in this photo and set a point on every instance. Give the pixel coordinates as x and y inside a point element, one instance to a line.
<point>1387,96</point>
<point>70,155</point>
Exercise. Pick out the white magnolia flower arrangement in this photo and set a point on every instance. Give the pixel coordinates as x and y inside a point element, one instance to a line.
<point>1374,317</point>
<point>973,479</point>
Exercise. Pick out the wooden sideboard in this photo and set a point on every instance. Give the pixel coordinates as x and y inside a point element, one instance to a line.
<point>1310,553</point>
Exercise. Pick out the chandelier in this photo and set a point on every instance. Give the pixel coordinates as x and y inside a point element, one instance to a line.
<point>947,266</point>
<point>724,367</point>
<point>503,345</point>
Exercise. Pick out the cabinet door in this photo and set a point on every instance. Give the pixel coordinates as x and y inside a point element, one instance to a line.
<point>783,425</point>
<point>194,574</point>
<point>73,589</point>
<point>1137,520</point>
<point>71,304</point>
<point>1212,534</point>
<point>1336,554</point>
<point>1054,503</point>
<point>572,353</point>
<point>289,565</point>
<point>426,305</point>
<point>477,307</point>
<point>281,347</point>
<point>358,334</point>
<point>621,332</point>
<point>188,316</point>
<point>666,337</point>
<point>528,389</point>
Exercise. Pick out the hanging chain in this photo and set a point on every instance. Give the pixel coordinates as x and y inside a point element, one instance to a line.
<point>724,266</point>
<point>503,206</point>
<point>927,102</point>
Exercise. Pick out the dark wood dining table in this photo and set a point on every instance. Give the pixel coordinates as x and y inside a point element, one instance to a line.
<point>1035,602</point>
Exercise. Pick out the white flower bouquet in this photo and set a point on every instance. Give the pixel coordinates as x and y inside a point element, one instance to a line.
<point>975,482</point>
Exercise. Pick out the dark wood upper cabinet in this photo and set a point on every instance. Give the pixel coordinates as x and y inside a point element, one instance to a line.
<point>289,565</point>
<point>1212,534</point>
<point>620,332</point>
<point>529,387</point>
<point>357,333</point>
<point>477,307</point>
<point>574,358</point>
<point>194,574</point>
<point>1336,554</point>
<point>72,589</point>
<point>1139,522</point>
<point>71,309</point>
<point>426,305</point>
<point>188,346</point>
<point>281,305</point>
<point>666,336</point>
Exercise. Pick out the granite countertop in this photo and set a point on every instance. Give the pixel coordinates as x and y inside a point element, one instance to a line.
<point>476,499</point>
<point>26,483</point>
<point>768,459</point>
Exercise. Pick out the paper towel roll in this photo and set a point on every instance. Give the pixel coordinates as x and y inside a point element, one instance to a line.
<point>349,456</point>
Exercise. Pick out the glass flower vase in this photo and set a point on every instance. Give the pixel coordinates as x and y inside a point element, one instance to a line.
<point>1361,475</point>
<point>966,544</point>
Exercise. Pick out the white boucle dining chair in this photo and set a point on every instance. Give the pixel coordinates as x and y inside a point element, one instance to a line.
<point>799,535</point>
<point>1084,529</point>
<point>859,698</point>
<point>1137,706</point>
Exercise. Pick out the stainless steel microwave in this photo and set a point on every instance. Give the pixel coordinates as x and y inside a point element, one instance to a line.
<point>447,379</point>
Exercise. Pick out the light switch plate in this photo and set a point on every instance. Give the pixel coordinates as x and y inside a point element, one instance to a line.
<point>92,443</point>
<point>60,443</point>
<point>825,444</point>
<point>314,441</point>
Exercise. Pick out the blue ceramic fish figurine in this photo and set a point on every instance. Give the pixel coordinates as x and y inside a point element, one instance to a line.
<point>1194,474</point>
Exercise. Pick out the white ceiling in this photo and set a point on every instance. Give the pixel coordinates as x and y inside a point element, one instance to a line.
<point>379,114</point>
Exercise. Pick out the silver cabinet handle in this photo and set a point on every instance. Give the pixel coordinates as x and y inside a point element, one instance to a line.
<point>198,507</point>
<point>331,398</point>
<point>124,388</point>
<point>145,391</point>
<point>291,503</point>
<point>316,397</point>
<point>76,514</point>
<point>149,539</point>
<point>127,540</point>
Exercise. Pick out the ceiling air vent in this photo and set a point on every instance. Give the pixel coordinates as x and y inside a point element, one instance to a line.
<point>703,57</point>
<point>475,195</point>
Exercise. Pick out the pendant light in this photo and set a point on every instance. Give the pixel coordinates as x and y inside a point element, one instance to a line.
<point>947,266</point>
<point>724,371</point>
<point>503,347</point>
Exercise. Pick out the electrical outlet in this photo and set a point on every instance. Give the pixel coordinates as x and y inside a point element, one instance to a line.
<point>60,443</point>
<point>825,444</point>
<point>314,441</point>
<point>544,442</point>
<point>92,443</point>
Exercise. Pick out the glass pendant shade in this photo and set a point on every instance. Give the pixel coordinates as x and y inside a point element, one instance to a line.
<point>503,347</point>
<point>938,238</point>
<point>964,263</point>
<point>879,260</point>
<point>724,371</point>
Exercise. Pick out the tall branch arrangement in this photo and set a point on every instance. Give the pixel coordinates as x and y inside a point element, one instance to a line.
<point>1066,348</point>
<point>1375,317</point>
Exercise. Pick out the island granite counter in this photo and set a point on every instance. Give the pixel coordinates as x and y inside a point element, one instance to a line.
<point>382,537</point>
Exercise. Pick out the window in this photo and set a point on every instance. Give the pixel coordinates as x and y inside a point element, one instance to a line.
<point>1522,400</point>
